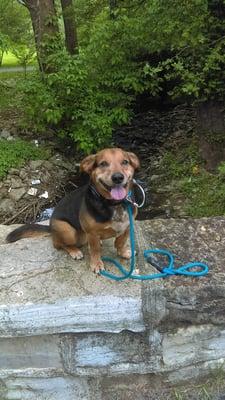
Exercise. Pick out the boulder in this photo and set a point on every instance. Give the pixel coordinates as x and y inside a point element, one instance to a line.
<point>67,332</point>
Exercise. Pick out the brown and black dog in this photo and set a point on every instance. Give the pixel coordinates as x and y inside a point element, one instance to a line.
<point>93,212</point>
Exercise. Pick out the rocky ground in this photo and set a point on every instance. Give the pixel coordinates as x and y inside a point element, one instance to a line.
<point>153,133</point>
<point>27,191</point>
<point>38,185</point>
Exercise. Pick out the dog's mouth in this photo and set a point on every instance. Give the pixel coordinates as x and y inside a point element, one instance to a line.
<point>117,192</point>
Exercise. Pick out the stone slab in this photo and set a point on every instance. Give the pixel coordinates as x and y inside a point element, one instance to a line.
<point>44,291</point>
<point>66,333</point>
<point>123,353</point>
<point>55,388</point>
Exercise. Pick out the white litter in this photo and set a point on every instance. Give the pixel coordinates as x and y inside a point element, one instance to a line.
<point>36,182</point>
<point>32,191</point>
<point>44,195</point>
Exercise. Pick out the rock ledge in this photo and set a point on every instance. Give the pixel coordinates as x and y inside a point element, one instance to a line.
<point>65,333</point>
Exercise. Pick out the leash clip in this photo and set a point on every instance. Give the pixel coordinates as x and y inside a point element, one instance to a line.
<point>130,200</point>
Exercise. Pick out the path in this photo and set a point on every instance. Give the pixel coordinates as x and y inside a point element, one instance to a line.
<point>17,69</point>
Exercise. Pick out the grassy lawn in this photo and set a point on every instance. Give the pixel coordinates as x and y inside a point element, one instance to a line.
<point>9,60</point>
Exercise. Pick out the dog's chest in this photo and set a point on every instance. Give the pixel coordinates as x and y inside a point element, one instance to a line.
<point>120,220</point>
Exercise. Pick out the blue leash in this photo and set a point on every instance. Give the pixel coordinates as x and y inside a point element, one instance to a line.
<point>185,270</point>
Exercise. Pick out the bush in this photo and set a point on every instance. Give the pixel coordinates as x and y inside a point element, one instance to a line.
<point>91,93</point>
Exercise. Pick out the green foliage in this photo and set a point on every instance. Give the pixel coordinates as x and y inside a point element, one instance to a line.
<point>4,45</point>
<point>198,61</point>
<point>144,45</point>
<point>204,192</point>
<point>91,93</point>
<point>15,22</point>
<point>15,153</point>
<point>16,32</point>
<point>10,95</point>
<point>9,60</point>
<point>24,54</point>
<point>181,163</point>
<point>205,195</point>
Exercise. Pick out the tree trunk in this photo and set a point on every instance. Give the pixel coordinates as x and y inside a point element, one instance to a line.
<point>46,30</point>
<point>211,131</point>
<point>69,20</point>
<point>112,8</point>
<point>1,56</point>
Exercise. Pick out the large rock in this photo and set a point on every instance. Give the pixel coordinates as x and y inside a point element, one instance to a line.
<point>68,333</point>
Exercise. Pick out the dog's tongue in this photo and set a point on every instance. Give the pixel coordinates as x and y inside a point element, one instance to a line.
<point>118,193</point>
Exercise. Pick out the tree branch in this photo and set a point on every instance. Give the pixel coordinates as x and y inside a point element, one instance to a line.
<point>23,2</point>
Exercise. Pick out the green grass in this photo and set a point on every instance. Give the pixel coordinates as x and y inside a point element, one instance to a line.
<point>9,60</point>
<point>15,153</point>
<point>204,192</point>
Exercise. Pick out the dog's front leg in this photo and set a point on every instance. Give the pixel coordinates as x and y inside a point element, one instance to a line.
<point>95,253</point>
<point>120,244</point>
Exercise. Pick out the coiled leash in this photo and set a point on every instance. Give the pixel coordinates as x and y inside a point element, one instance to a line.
<point>164,271</point>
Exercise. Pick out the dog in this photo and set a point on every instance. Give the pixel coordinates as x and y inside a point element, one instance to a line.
<point>93,212</point>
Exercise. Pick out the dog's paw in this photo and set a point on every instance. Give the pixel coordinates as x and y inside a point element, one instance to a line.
<point>76,254</point>
<point>125,253</point>
<point>97,266</point>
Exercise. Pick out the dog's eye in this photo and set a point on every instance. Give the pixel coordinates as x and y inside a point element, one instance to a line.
<point>125,162</point>
<point>103,164</point>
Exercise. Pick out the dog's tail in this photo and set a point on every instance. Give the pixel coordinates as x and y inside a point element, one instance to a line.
<point>27,231</point>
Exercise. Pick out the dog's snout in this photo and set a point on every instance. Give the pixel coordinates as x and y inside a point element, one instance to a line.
<point>117,177</point>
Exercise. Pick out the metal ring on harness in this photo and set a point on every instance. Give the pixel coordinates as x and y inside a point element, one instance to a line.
<point>129,199</point>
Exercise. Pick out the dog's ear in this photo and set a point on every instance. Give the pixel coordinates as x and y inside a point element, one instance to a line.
<point>87,164</point>
<point>133,160</point>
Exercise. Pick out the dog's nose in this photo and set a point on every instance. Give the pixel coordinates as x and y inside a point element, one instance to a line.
<point>117,177</point>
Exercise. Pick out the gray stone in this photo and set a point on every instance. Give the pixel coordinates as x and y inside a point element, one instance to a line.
<point>193,344</point>
<point>23,174</point>
<point>5,134</point>
<point>66,333</point>
<point>47,165</point>
<point>36,164</point>
<point>3,192</point>
<point>18,354</point>
<point>14,171</point>
<point>53,388</point>
<point>4,231</point>
<point>15,182</point>
<point>7,206</point>
<point>17,194</point>
<point>93,354</point>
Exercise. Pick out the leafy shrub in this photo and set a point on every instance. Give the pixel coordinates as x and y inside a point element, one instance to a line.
<point>15,153</point>
<point>91,93</point>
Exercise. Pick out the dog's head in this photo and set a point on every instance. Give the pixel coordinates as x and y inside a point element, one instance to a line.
<point>111,171</point>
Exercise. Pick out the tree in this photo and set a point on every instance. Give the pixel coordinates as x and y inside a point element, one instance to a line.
<point>15,26</point>
<point>4,45</point>
<point>148,44</point>
<point>24,55</point>
<point>46,30</point>
<point>68,13</point>
<point>198,65</point>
